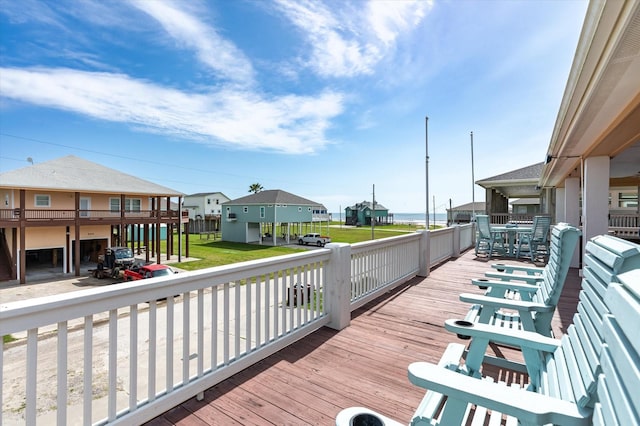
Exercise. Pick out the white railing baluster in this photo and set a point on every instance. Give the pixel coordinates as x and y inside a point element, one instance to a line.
<point>133,357</point>
<point>88,370</point>
<point>170,336</point>
<point>186,311</point>
<point>63,349</point>
<point>248,317</point>
<point>225,323</point>
<point>214,328</point>
<point>32,376</point>
<point>113,363</point>
<point>285,294</point>
<point>237,304</point>
<point>200,332</point>
<point>267,309</point>
<point>151,374</point>
<point>258,305</point>
<point>276,303</point>
<point>318,289</point>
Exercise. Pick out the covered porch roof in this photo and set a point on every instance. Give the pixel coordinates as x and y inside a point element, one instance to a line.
<point>600,111</point>
<point>520,183</point>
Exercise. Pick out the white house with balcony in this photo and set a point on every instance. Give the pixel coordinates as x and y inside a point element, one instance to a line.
<point>205,211</point>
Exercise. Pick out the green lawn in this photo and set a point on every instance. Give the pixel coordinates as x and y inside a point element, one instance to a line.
<point>215,252</point>
<point>355,235</point>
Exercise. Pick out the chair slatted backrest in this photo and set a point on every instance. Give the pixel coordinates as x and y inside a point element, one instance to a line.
<point>619,385</point>
<point>484,229</point>
<point>572,371</point>
<point>564,241</point>
<point>553,268</point>
<point>541,226</point>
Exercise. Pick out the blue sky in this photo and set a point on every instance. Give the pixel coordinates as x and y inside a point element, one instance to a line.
<point>323,99</point>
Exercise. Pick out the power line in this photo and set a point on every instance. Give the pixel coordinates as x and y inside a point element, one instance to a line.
<point>141,160</point>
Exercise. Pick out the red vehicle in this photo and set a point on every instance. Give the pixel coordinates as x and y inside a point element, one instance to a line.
<point>148,271</point>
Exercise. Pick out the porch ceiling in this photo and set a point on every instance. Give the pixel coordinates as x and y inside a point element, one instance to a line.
<point>516,190</point>
<point>600,110</point>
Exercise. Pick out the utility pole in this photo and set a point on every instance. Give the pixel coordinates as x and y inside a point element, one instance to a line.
<point>473,185</point>
<point>426,143</point>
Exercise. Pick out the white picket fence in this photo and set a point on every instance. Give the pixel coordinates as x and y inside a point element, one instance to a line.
<point>126,353</point>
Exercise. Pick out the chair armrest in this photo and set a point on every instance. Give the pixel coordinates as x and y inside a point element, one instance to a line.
<point>530,270</point>
<point>499,302</point>
<point>532,279</point>
<point>503,335</point>
<point>528,407</point>
<point>506,285</point>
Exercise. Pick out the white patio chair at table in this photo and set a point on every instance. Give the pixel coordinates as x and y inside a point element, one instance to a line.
<point>487,239</point>
<point>532,241</point>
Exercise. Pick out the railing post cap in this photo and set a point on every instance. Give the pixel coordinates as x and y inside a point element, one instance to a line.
<point>336,245</point>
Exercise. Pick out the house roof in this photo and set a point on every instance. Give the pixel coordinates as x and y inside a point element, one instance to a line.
<point>203,194</point>
<point>367,205</point>
<point>72,173</point>
<point>519,183</point>
<point>478,206</point>
<point>273,196</point>
<point>529,173</point>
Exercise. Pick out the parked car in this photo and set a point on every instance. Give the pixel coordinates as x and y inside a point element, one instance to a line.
<point>148,271</point>
<point>315,239</point>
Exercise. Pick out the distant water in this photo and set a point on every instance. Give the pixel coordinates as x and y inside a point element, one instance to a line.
<point>417,218</point>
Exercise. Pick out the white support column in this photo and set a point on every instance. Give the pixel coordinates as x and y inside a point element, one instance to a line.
<point>560,211</point>
<point>571,206</point>
<point>338,285</point>
<point>595,197</point>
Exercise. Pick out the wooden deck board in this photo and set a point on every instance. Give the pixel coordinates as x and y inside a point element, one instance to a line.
<point>365,364</point>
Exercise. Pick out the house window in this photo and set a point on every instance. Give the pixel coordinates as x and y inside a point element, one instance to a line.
<point>132,204</point>
<point>627,199</point>
<point>114,204</point>
<point>245,209</point>
<point>42,200</point>
<point>299,209</point>
<point>217,201</point>
<point>262,212</point>
<point>208,201</point>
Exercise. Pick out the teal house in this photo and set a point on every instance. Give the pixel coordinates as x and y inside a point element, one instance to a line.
<point>272,217</point>
<point>361,213</point>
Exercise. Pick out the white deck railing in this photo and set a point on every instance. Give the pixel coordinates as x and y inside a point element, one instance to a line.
<point>128,352</point>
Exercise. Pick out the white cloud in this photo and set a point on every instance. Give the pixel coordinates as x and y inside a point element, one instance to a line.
<point>390,18</point>
<point>288,124</point>
<point>219,54</point>
<point>344,47</point>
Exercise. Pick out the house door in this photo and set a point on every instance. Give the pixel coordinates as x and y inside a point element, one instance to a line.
<point>85,206</point>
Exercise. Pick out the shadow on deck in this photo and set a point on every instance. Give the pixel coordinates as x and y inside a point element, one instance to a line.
<point>365,364</point>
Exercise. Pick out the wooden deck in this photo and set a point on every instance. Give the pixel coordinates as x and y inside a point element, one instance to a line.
<point>365,364</point>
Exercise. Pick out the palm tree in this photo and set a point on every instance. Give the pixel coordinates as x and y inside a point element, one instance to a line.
<point>255,188</point>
